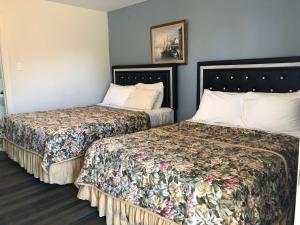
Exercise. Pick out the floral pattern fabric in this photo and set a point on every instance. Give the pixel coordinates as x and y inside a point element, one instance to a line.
<point>65,134</point>
<point>194,173</point>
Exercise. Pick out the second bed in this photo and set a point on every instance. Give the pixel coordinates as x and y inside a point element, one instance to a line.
<point>198,173</point>
<point>50,145</point>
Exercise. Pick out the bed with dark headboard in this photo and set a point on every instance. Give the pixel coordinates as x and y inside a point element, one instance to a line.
<point>273,75</point>
<point>265,75</point>
<point>51,144</point>
<point>201,173</point>
<point>149,74</point>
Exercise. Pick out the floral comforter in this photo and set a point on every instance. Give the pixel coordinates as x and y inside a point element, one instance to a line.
<point>65,134</point>
<point>194,173</point>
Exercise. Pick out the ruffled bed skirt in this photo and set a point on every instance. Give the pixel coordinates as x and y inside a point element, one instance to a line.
<point>61,173</point>
<point>118,212</point>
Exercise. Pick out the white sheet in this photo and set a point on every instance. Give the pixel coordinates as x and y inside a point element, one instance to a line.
<point>227,125</point>
<point>158,117</point>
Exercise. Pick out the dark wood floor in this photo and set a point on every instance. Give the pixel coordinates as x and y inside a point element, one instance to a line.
<point>25,200</point>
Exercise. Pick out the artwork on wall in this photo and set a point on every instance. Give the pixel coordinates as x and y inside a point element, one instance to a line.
<point>169,43</point>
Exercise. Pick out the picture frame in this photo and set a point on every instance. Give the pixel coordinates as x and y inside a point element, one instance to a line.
<point>169,43</point>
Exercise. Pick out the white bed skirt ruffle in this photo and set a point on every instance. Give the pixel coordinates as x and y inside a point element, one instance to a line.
<point>61,173</point>
<point>118,212</point>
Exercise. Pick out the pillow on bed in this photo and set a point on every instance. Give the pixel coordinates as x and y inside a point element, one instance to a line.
<point>220,108</point>
<point>117,94</point>
<point>277,113</point>
<point>157,86</point>
<point>141,98</point>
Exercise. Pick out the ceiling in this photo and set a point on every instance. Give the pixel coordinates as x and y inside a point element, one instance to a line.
<point>102,5</point>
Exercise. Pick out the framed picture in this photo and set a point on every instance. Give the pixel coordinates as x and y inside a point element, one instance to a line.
<point>169,43</point>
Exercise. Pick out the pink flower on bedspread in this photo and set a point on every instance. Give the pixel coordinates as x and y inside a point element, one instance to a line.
<point>164,165</point>
<point>117,178</point>
<point>141,156</point>
<point>190,202</point>
<point>230,184</point>
<point>46,151</point>
<point>168,210</point>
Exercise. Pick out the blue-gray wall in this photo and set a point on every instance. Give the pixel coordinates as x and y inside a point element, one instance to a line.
<point>218,30</point>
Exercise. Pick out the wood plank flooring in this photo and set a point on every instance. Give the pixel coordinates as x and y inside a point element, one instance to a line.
<point>25,200</point>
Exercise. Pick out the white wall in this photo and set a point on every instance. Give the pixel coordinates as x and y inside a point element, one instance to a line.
<point>54,55</point>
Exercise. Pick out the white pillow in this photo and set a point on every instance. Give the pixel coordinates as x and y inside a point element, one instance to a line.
<point>117,94</point>
<point>277,113</point>
<point>220,108</point>
<point>157,86</point>
<point>142,99</point>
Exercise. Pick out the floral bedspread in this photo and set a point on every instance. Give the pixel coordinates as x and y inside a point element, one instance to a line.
<point>194,173</point>
<point>64,134</point>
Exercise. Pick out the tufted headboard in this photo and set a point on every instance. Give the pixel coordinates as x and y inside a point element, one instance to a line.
<point>149,74</point>
<point>278,75</point>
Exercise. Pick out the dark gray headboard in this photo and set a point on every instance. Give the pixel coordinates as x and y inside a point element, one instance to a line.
<point>149,74</point>
<point>278,75</point>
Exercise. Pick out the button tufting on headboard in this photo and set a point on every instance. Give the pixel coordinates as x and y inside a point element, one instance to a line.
<point>276,75</point>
